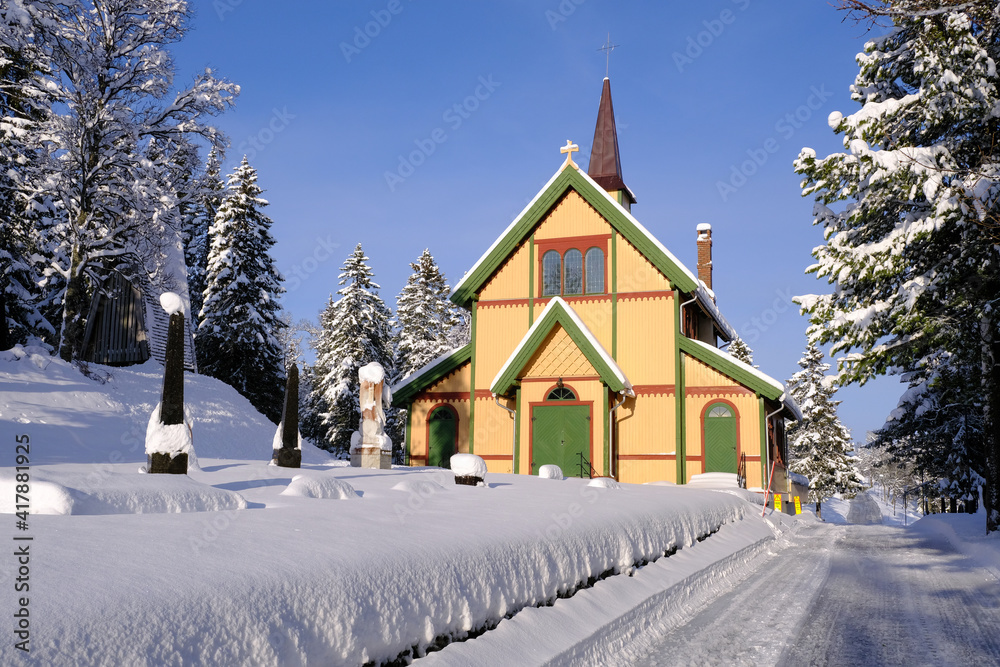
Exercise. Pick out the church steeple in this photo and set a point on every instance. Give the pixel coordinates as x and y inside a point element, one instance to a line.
<point>605,162</point>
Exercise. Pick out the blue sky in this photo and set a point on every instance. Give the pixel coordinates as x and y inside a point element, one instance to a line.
<point>405,124</point>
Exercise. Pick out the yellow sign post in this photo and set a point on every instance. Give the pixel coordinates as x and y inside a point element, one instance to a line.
<point>798,505</point>
<point>777,502</point>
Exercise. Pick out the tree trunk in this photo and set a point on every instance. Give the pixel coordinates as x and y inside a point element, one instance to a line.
<point>819,514</point>
<point>74,302</point>
<point>5,339</point>
<point>991,378</point>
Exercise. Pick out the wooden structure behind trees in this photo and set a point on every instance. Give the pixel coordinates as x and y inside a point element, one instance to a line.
<point>126,325</point>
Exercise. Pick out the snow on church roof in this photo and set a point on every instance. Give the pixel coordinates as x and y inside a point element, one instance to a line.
<point>695,285</point>
<point>543,321</point>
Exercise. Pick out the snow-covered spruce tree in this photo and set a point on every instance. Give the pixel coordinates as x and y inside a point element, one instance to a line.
<point>909,209</point>
<point>937,428</point>
<point>355,331</point>
<point>238,337</point>
<point>820,444</point>
<point>206,194</point>
<point>108,74</point>
<point>425,317</point>
<point>739,349</point>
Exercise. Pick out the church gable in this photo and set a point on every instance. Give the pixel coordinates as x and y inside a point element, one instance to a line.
<point>572,217</point>
<point>558,356</point>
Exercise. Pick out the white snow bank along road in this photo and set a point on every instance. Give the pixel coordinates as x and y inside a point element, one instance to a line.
<point>331,582</point>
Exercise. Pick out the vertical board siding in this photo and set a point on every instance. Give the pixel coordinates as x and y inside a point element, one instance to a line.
<point>646,339</point>
<point>500,329</point>
<point>509,280</point>
<point>572,216</point>
<point>645,471</point>
<point>596,315</point>
<point>646,425</point>
<point>635,273</point>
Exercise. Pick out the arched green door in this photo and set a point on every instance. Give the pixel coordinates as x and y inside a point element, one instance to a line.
<point>560,434</point>
<point>442,427</point>
<point>720,439</point>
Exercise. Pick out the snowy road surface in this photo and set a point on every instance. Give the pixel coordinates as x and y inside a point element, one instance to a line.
<point>864,510</point>
<point>846,595</point>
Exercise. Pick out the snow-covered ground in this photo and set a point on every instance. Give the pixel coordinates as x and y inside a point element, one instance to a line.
<point>241,562</point>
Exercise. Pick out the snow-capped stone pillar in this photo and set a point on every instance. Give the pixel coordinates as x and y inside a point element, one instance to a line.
<point>168,438</point>
<point>370,446</point>
<point>287,451</point>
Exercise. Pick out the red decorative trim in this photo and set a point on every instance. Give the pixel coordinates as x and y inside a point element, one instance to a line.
<point>659,294</point>
<point>694,391</point>
<point>442,396</point>
<point>496,457</point>
<point>500,303</point>
<point>427,427</point>
<point>582,243</point>
<point>647,389</point>
<point>483,393</point>
<point>736,413</point>
<point>543,301</point>
<point>647,457</point>
<point>531,429</point>
<point>556,379</point>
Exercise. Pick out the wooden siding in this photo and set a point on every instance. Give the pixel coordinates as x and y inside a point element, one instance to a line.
<point>458,381</point>
<point>558,357</point>
<point>635,272</point>
<point>643,471</point>
<point>494,434</point>
<point>646,425</point>
<point>511,280</point>
<point>646,339</point>
<point>596,314</point>
<point>572,216</point>
<point>499,330</point>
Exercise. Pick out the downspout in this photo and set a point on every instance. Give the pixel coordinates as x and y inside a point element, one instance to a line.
<point>611,426</point>
<point>513,440</point>
<point>767,450</point>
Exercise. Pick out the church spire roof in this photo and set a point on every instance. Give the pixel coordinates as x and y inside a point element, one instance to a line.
<point>605,162</point>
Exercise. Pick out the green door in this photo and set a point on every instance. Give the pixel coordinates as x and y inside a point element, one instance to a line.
<point>720,439</point>
<point>561,436</point>
<point>442,436</point>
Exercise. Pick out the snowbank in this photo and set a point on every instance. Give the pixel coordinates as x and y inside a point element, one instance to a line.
<point>468,465</point>
<point>550,471</point>
<point>311,485</point>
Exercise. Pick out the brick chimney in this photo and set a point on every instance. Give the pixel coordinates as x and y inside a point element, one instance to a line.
<point>705,254</point>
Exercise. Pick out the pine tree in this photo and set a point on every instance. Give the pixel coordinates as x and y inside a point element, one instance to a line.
<point>238,338</point>
<point>208,195</point>
<point>106,77</point>
<point>910,210</point>
<point>425,319</point>
<point>355,332</point>
<point>820,443</point>
<point>739,349</point>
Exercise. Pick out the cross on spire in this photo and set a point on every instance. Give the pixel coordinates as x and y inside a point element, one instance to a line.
<point>608,48</point>
<point>569,149</point>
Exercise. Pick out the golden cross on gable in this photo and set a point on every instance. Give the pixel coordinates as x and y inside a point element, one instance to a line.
<point>569,149</point>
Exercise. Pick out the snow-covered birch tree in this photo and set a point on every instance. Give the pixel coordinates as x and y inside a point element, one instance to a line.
<point>820,443</point>
<point>109,82</point>
<point>238,337</point>
<point>355,331</point>
<point>909,209</point>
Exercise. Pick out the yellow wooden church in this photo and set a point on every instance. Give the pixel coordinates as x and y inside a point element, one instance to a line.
<point>595,349</point>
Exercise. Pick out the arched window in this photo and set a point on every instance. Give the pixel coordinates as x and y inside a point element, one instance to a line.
<point>561,394</point>
<point>551,274</point>
<point>595,271</point>
<point>573,272</point>
<point>720,411</point>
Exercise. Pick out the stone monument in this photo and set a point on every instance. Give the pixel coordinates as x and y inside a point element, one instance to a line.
<point>370,446</point>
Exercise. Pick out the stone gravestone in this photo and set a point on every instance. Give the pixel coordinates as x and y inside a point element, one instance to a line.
<point>168,438</point>
<point>287,452</point>
<point>370,446</point>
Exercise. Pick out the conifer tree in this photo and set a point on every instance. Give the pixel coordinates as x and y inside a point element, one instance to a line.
<point>238,338</point>
<point>355,331</point>
<point>206,197</point>
<point>739,349</point>
<point>910,209</point>
<point>820,443</point>
<point>425,318</point>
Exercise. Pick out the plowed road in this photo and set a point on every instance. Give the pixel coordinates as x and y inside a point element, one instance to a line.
<point>846,595</point>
